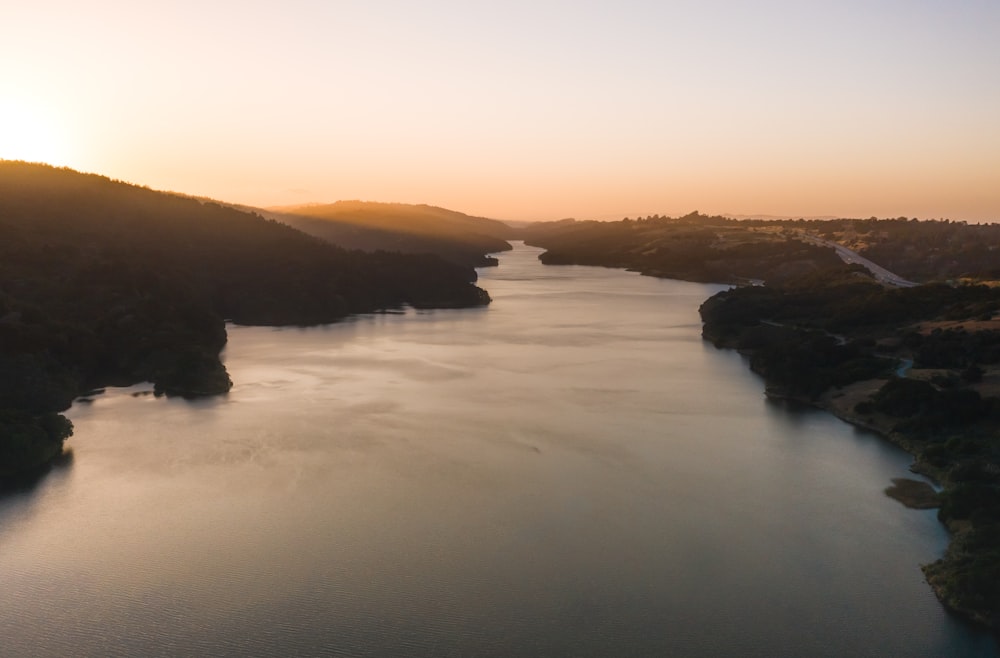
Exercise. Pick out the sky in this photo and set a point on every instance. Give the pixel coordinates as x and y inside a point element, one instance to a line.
<point>520,110</point>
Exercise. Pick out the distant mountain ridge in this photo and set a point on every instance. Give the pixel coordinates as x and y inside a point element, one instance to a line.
<point>406,228</point>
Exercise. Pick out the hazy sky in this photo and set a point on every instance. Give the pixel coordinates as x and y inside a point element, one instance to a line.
<point>520,110</point>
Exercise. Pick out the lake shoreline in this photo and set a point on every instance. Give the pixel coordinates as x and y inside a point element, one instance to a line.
<point>936,573</point>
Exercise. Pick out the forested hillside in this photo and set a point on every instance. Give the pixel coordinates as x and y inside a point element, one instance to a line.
<point>703,248</point>
<point>102,282</point>
<point>694,248</point>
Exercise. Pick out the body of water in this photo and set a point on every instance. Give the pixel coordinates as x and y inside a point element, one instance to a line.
<point>571,471</point>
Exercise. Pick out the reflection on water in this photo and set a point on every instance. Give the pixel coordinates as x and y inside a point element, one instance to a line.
<point>571,471</point>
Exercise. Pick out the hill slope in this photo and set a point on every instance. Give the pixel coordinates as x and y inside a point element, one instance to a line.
<point>107,283</point>
<point>693,248</point>
<point>405,228</point>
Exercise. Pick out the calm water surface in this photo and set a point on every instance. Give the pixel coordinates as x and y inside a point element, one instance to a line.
<point>571,471</point>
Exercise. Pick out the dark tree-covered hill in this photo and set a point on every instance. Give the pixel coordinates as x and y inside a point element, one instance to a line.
<point>705,248</point>
<point>406,228</point>
<point>102,282</point>
<point>694,248</point>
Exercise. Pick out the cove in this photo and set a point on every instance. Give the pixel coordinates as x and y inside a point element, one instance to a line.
<point>570,471</point>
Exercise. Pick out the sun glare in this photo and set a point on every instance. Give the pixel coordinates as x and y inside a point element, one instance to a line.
<point>31,134</point>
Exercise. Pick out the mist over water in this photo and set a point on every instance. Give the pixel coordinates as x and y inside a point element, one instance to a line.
<point>570,471</point>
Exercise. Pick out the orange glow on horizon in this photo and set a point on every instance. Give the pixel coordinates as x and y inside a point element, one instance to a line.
<point>521,112</point>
